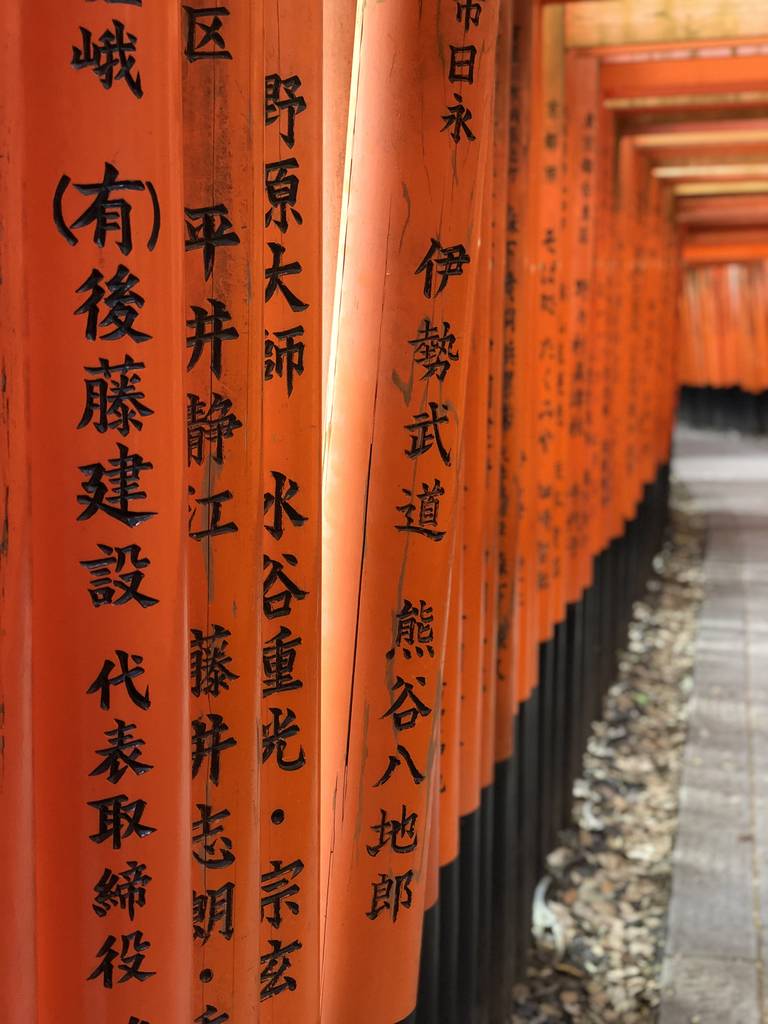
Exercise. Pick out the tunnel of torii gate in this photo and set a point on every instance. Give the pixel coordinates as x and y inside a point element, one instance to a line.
<point>341,347</point>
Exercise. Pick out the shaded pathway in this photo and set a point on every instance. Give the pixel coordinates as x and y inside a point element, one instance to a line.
<point>718,921</point>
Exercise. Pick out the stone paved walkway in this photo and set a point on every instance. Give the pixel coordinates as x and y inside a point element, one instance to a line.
<point>717,945</point>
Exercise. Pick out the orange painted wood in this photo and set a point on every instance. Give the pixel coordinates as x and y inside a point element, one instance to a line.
<point>480,518</point>
<point>338,45</point>
<point>699,75</point>
<point>622,285</point>
<point>639,51</point>
<point>499,168</point>
<point>339,90</point>
<point>108,614</point>
<point>522,655</point>
<point>566,467</point>
<point>631,182</point>
<point>618,330</point>
<point>658,315</point>
<point>707,252</point>
<point>532,535</point>
<point>721,238</point>
<point>647,334</point>
<point>716,126</point>
<point>221,90</point>
<point>604,317</point>
<point>582,89</point>
<point>397,206</point>
<point>669,301</point>
<point>724,340</point>
<point>432,881</point>
<point>571,449</point>
<point>18,999</point>
<point>450,709</point>
<point>514,111</point>
<point>546,172</point>
<point>475,515</point>
<point>293,316</point>
<point>594,395</point>
<point>662,302</point>
<point>728,211</point>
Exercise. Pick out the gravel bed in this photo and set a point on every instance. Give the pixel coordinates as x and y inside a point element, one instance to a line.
<point>599,915</point>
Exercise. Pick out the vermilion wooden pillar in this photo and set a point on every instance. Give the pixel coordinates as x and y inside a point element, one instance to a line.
<point>583,87</point>
<point>723,334</point>
<point>548,121</point>
<point>511,388</point>
<point>615,254</point>
<point>516,653</point>
<point>104,331</point>
<point>17,857</point>
<point>582,91</point>
<point>293,333</point>
<point>671,274</point>
<point>629,177</point>
<point>222,92</point>
<point>650,315</point>
<point>475,519</point>
<point>496,704</point>
<point>338,45</point>
<point>526,593</point>
<point>412,230</point>
<point>450,725</point>
<point>603,312</point>
<point>542,516</point>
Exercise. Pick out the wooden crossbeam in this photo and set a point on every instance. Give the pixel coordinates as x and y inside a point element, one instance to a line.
<point>718,100</point>
<point>607,23</point>
<point>712,171</point>
<point>701,138</point>
<point>720,188</point>
<point>723,210</point>
<point>696,75</point>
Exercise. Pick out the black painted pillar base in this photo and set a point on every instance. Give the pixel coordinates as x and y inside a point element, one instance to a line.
<point>477,937</point>
<point>724,409</point>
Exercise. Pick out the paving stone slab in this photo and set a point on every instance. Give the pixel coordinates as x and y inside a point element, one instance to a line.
<point>711,913</point>
<point>718,786</point>
<point>710,991</point>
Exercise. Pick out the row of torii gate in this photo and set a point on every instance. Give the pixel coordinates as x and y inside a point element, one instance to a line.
<point>340,348</point>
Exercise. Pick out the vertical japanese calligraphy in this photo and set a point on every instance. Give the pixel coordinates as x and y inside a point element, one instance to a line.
<point>407,291</point>
<point>498,722</point>
<point>518,461</point>
<point>295,680</point>
<point>582,158</point>
<point>103,221</point>
<point>221,59</point>
<point>291,197</point>
<point>548,120</point>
